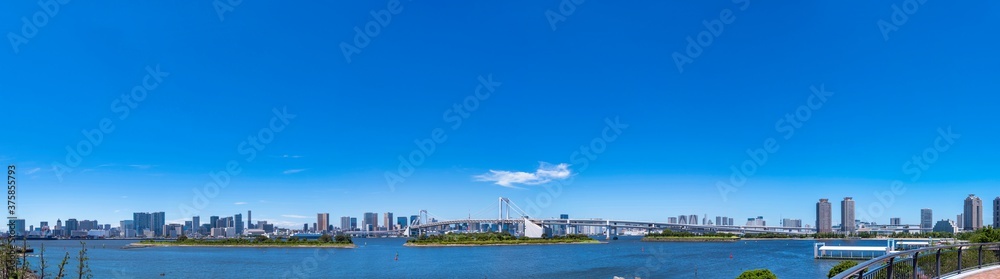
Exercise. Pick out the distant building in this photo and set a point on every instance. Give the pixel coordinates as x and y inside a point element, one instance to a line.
<point>693,220</point>
<point>996,212</point>
<point>894,221</point>
<point>973,213</point>
<point>759,221</point>
<point>401,222</point>
<point>683,219</point>
<point>847,222</point>
<point>19,227</point>
<point>345,223</point>
<point>730,222</point>
<point>250,220</point>
<point>388,221</point>
<point>671,220</point>
<point>213,221</point>
<point>824,218</point>
<point>158,221</point>
<point>718,221</point>
<point>926,219</point>
<point>370,221</point>
<point>946,226</point>
<point>960,221</point>
<point>322,222</point>
<point>238,224</point>
<point>354,223</point>
<point>791,223</point>
<point>196,225</point>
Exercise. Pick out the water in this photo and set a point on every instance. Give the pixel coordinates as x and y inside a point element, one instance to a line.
<point>624,257</point>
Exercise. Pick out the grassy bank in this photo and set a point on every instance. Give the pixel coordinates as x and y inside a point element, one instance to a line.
<point>326,241</point>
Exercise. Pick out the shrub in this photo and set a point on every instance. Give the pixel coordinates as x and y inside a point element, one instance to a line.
<point>840,267</point>
<point>757,274</point>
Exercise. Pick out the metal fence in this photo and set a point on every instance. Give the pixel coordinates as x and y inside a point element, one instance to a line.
<point>931,262</point>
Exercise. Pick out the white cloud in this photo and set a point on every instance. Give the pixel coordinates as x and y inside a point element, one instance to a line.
<point>293,171</point>
<point>545,173</point>
<point>34,170</point>
<point>141,167</point>
<point>240,203</point>
<point>290,156</point>
<point>295,216</point>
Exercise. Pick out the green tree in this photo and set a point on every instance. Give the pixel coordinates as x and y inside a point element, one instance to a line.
<point>757,274</point>
<point>261,238</point>
<point>325,238</point>
<point>62,267</point>
<point>83,269</point>
<point>840,267</point>
<point>182,238</point>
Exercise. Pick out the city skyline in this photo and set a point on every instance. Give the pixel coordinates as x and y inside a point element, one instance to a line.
<point>589,117</point>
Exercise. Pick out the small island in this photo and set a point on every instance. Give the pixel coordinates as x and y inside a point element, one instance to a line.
<point>495,239</point>
<point>324,241</point>
<point>671,236</point>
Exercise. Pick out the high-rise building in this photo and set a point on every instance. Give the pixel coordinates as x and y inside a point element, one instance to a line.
<point>354,223</point>
<point>894,221</point>
<point>19,228</point>
<point>128,228</point>
<point>996,212</point>
<point>249,220</point>
<point>345,223</point>
<point>847,224</point>
<point>238,224</point>
<point>693,219</point>
<point>719,222</point>
<point>388,221</point>
<point>671,220</point>
<point>926,219</point>
<point>322,222</point>
<point>730,222</point>
<point>213,221</point>
<point>960,222</point>
<point>973,213</point>
<point>824,216</point>
<point>158,221</point>
<point>305,227</point>
<point>370,221</point>
<point>400,222</point>
<point>413,218</point>
<point>71,225</point>
<point>195,224</point>
<point>683,219</point>
<point>142,222</point>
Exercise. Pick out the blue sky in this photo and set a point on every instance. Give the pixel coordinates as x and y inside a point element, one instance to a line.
<point>549,76</point>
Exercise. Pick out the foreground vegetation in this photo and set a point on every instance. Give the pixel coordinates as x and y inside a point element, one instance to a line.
<point>757,274</point>
<point>262,241</point>
<point>15,264</point>
<point>949,257</point>
<point>492,238</point>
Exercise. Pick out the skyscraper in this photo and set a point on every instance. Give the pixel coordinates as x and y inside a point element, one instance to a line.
<point>693,219</point>
<point>894,221</point>
<point>213,221</point>
<point>354,223</point>
<point>926,219</point>
<point>345,223</point>
<point>847,216</point>
<point>322,222</point>
<point>824,218</point>
<point>388,221</point>
<point>158,221</point>
<point>238,224</point>
<point>960,222</point>
<point>996,212</point>
<point>142,222</point>
<point>196,224</point>
<point>401,222</point>
<point>973,213</point>
<point>370,221</point>
<point>683,219</point>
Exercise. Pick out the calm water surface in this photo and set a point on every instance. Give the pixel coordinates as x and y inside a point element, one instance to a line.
<point>374,258</point>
